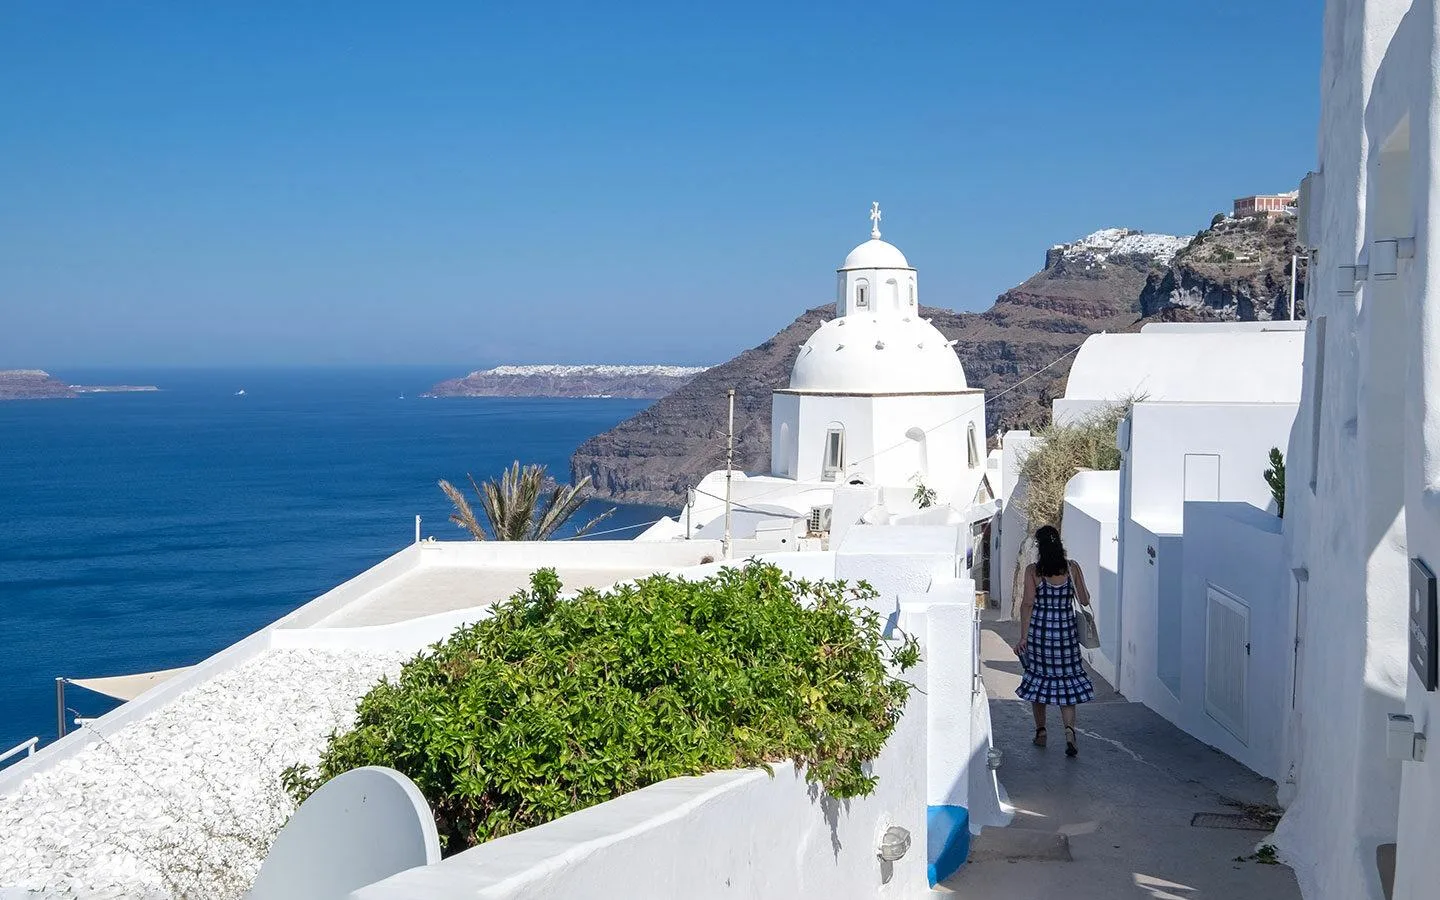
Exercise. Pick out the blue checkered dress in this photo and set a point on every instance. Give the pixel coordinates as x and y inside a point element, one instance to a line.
<point>1053,671</point>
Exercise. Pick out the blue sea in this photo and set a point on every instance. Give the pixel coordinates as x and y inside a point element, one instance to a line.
<point>145,531</point>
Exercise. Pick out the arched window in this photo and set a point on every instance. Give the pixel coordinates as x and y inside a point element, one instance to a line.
<point>783,465</point>
<point>912,293</point>
<point>834,453</point>
<point>862,294</point>
<point>893,294</point>
<point>972,448</point>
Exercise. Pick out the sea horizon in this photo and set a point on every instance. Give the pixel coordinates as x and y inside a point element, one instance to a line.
<point>151,530</point>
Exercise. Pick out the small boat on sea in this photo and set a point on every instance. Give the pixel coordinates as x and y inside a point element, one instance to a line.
<point>240,393</point>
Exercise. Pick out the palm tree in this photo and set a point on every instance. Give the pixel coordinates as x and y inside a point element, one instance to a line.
<point>516,505</point>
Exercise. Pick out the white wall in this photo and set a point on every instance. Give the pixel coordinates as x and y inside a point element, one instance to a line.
<point>746,833</point>
<point>1237,548</point>
<point>876,429</point>
<point>1150,565</point>
<point>1090,532</point>
<point>740,833</point>
<point>1343,794</point>
<point>1014,447</point>
<point>1162,435</point>
<point>899,560</point>
<point>1192,364</point>
<point>1010,530</point>
<point>1402,391</point>
<point>1165,439</point>
<point>784,429</point>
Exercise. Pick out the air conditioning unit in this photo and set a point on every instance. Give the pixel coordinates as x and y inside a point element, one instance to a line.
<point>820,519</point>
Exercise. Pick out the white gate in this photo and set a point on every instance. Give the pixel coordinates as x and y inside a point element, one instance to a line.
<point>1227,660</point>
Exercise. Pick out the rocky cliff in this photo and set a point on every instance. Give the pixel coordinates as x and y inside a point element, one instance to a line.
<point>1236,270</point>
<point>1100,282</point>
<point>31,384</point>
<point>36,384</point>
<point>645,382</point>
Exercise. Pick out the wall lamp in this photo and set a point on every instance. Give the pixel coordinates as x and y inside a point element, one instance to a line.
<point>1351,276</point>
<point>1386,256</point>
<point>894,844</point>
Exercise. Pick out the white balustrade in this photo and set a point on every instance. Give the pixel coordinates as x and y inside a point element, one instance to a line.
<point>26,748</point>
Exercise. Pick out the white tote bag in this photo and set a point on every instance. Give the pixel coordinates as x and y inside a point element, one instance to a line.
<point>1085,627</point>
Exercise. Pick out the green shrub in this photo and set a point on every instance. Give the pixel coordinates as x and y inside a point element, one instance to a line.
<point>1064,450</point>
<point>553,705</point>
<point>1275,477</point>
<point>924,495</point>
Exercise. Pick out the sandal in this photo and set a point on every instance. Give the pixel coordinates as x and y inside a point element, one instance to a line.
<point>1040,736</point>
<point>1070,748</point>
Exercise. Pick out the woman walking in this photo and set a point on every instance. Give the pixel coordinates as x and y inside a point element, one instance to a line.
<point>1049,647</point>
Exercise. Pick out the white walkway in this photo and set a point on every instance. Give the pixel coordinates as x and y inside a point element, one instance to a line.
<point>1116,822</point>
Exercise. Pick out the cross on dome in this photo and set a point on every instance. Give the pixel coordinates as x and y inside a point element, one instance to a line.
<point>875,220</point>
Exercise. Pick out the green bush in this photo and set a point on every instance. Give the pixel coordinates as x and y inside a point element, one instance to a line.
<point>553,705</point>
<point>1275,477</point>
<point>1088,443</point>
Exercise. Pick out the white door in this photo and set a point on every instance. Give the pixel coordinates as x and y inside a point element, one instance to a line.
<point>1227,660</point>
<point>1202,476</point>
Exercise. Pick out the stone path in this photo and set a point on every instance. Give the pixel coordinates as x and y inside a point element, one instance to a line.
<point>1114,823</point>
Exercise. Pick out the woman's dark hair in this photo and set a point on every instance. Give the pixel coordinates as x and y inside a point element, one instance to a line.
<point>1052,560</point>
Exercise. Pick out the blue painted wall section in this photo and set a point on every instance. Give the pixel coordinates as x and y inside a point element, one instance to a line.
<point>947,840</point>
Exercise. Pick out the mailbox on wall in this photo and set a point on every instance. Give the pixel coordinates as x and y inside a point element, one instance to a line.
<point>1422,624</point>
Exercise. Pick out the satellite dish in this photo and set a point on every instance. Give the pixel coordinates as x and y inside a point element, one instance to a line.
<point>358,828</point>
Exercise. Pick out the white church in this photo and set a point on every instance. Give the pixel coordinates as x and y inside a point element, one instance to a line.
<point>877,400</point>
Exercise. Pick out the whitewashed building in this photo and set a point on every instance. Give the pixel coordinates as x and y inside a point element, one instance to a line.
<point>1364,475</point>
<point>877,407</point>
<point>1208,402</point>
<point>878,392</point>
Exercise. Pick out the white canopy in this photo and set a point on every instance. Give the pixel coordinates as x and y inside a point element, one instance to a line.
<point>127,687</point>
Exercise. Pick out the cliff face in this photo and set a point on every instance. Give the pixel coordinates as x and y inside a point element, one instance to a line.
<point>1236,270</point>
<point>1098,283</point>
<point>660,453</point>
<point>31,384</point>
<point>35,384</point>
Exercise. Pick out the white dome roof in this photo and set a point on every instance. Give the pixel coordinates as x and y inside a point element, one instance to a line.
<point>863,354</point>
<point>876,254</point>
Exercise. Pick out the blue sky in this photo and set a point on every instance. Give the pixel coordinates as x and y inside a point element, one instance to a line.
<point>473,183</point>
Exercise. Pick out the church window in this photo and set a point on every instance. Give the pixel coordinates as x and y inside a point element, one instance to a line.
<point>892,294</point>
<point>912,293</point>
<point>972,447</point>
<point>834,453</point>
<point>862,294</point>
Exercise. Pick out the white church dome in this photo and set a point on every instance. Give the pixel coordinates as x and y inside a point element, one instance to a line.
<point>876,254</point>
<point>862,354</point>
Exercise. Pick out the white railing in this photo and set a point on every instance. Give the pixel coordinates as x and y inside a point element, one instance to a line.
<point>27,748</point>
